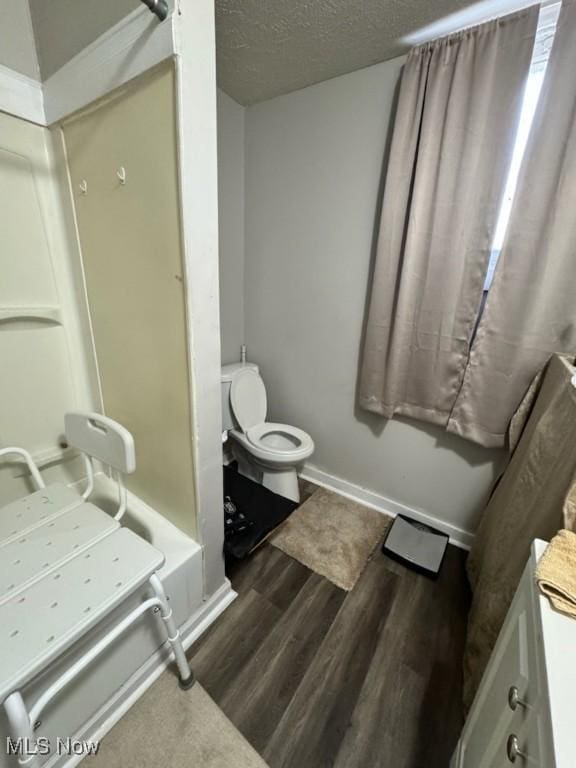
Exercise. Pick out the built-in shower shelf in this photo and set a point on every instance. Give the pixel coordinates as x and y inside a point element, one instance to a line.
<point>27,316</point>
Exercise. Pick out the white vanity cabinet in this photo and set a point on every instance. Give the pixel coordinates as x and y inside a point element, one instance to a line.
<point>524,713</point>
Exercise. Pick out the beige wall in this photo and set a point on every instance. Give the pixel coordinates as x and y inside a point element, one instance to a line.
<point>130,239</point>
<point>231,225</point>
<point>313,169</point>
<point>17,50</point>
<point>62,28</point>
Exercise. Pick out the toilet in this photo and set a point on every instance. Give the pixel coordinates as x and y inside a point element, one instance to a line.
<point>266,452</point>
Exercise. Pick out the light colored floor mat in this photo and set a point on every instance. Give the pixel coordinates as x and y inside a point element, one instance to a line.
<point>332,535</point>
<point>169,727</point>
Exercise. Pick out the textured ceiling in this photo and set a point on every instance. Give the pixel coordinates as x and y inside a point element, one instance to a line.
<point>269,47</point>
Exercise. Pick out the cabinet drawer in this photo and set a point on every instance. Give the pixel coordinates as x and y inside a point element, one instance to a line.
<point>512,665</point>
<point>534,653</point>
<point>528,733</point>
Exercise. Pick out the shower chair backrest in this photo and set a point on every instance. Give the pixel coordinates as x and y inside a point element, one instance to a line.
<point>101,438</point>
<point>96,437</point>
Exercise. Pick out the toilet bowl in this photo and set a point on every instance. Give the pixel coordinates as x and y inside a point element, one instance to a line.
<point>266,452</point>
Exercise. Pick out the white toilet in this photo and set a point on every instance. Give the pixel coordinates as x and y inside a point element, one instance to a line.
<point>267,453</point>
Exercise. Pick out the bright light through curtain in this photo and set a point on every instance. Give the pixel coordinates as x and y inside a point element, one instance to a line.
<point>458,110</point>
<point>547,20</point>
<point>530,313</point>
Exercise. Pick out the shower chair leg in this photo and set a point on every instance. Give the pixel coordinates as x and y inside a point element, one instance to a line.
<point>186,677</point>
<point>20,719</point>
<point>21,730</point>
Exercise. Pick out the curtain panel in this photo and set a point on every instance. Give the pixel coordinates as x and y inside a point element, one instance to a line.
<point>457,116</point>
<point>530,312</point>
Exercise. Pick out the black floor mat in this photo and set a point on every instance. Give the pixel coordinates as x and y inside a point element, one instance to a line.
<point>262,511</point>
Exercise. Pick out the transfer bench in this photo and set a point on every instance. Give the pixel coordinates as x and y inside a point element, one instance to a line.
<point>65,565</point>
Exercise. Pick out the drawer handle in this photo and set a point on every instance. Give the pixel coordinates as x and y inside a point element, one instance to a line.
<point>514,700</point>
<point>513,749</point>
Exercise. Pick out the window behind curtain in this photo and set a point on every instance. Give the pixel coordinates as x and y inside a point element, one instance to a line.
<point>542,48</point>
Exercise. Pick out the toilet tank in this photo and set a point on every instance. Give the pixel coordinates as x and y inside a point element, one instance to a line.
<point>228,373</point>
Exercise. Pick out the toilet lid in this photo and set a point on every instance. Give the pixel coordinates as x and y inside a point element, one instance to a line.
<point>248,399</point>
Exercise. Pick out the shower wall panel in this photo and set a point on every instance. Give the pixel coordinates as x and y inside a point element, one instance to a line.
<point>122,156</point>
<point>42,361</point>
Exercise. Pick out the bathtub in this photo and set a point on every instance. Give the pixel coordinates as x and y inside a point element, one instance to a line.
<point>86,709</point>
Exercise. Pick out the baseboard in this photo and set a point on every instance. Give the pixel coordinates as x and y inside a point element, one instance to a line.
<point>458,536</point>
<point>108,715</point>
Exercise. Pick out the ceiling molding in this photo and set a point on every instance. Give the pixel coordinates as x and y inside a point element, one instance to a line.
<point>21,96</point>
<point>133,46</point>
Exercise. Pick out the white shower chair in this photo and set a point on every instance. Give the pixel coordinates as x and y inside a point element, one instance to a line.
<point>65,566</point>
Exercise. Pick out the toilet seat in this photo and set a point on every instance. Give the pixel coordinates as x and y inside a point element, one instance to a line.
<point>248,399</point>
<point>268,455</point>
<point>273,444</point>
<point>280,439</point>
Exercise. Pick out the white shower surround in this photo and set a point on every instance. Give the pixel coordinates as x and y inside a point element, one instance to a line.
<point>117,57</point>
<point>193,574</point>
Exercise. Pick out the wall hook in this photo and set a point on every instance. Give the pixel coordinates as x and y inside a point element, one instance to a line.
<point>83,186</point>
<point>121,174</point>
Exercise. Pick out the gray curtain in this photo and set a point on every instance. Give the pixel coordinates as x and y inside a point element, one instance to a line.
<point>531,308</point>
<point>457,114</point>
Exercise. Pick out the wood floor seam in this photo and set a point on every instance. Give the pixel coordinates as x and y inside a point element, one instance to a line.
<point>315,677</point>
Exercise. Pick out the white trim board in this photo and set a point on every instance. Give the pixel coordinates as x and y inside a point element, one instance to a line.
<point>195,46</point>
<point>21,96</point>
<point>458,536</point>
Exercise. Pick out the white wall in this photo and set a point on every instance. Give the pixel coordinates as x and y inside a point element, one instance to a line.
<point>17,49</point>
<point>313,170</point>
<point>231,225</point>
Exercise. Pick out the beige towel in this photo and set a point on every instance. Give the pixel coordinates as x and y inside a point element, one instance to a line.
<point>556,572</point>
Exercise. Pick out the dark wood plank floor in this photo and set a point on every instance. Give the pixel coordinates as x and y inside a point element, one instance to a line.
<point>315,677</point>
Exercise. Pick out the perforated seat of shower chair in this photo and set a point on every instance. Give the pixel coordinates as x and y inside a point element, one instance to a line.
<point>66,565</point>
